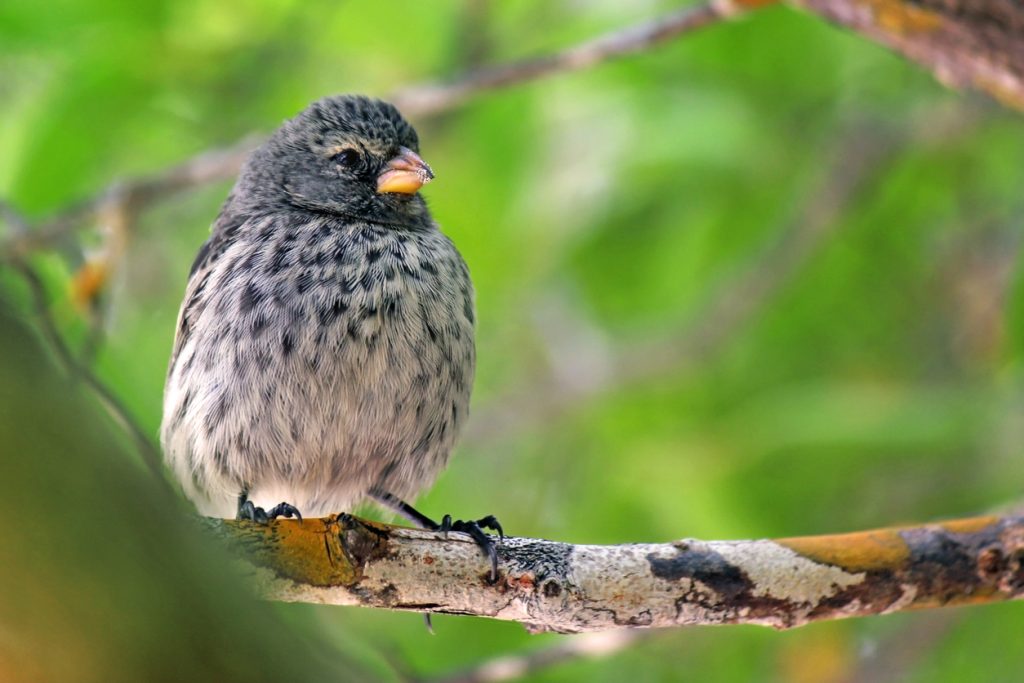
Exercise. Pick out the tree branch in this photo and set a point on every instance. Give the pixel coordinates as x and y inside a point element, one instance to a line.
<point>965,43</point>
<point>550,586</point>
<point>431,98</point>
<point>130,197</point>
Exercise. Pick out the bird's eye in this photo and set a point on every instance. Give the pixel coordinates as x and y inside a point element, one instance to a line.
<point>347,157</point>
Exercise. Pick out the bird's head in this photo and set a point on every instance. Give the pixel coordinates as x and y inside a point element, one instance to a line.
<point>348,155</point>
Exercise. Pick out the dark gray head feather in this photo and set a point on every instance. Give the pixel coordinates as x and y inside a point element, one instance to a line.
<point>326,160</point>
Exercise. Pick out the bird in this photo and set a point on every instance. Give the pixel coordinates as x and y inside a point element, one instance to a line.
<point>324,353</point>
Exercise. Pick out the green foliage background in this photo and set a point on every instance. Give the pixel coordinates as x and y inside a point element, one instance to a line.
<point>880,383</point>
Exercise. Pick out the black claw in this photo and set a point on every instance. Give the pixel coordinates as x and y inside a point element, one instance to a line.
<point>486,544</point>
<point>491,522</point>
<point>284,510</point>
<point>474,529</point>
<point>247,510</point>
<point>446,525</point>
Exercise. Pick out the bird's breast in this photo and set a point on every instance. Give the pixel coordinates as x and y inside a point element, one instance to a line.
<point>377,307</point>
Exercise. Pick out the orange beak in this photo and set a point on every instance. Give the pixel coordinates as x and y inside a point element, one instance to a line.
<point>405,174</point>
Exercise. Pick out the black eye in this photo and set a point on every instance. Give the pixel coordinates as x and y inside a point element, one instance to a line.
<point>347,157</point>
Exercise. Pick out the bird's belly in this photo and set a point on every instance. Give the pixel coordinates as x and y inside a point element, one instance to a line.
<point>373,402</point>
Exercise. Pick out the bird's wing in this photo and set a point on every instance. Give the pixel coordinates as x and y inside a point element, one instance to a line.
<point>224,231</point>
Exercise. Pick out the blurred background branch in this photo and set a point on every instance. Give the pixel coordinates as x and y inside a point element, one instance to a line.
<point>132,196</point>
<point>965,43</point>
<point>432,98</point>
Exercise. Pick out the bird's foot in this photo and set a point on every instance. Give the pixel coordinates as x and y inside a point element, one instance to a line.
<point>475,529</point>
<point>247,510</point>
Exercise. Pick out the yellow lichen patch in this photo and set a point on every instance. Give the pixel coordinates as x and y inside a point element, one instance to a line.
<point>969,526</point>
<point>902,17</point>
<point>857,552</point>
<point>308,552</point>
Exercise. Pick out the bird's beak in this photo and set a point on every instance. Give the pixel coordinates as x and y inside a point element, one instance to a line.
<point>405,174</point>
